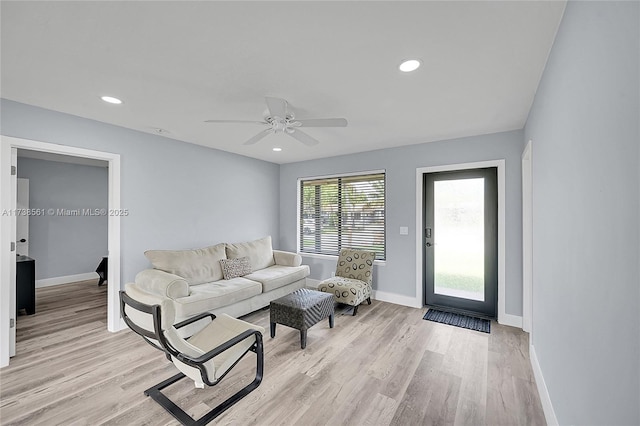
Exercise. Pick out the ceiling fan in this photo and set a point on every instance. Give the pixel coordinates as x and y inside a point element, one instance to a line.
<point>280,118</point>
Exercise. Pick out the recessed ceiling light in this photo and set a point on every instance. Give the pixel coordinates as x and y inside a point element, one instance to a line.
<point>277,149</point>
<point>409,65</point>
<point>111,100</point>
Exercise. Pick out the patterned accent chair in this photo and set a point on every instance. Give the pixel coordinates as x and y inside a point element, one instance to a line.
<point>352,283</point>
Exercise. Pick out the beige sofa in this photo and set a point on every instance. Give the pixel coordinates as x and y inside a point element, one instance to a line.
<point>194,280</point>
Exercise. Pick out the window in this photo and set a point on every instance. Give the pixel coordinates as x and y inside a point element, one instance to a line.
<point>343,211</point>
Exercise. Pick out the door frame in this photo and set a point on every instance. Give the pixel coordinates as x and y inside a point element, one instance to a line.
<point>527,239</point>
<point>113,307</point>
<point>503,317</point>
<point>488,306</point>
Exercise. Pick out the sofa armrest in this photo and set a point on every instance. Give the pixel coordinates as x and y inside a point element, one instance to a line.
<point>162,283</point>
<point>286,258</point>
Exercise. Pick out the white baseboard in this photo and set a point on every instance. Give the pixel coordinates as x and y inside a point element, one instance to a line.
<point>545,399</point>
<point>510,320</point>
<point>48,282</point>
<point>397,299</point>
<point>383,296</point>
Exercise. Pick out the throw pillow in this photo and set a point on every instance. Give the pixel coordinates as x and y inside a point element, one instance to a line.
<point>232,268</point>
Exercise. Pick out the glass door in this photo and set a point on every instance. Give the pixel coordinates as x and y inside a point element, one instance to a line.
<point>461,240</point>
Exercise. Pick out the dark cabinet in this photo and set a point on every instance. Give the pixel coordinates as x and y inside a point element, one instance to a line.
<point>26,284</point>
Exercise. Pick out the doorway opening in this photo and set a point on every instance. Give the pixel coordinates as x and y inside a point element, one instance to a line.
<point>60,243</point>
<point>8,185</point>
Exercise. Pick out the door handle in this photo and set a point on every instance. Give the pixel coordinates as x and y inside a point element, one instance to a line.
<point>22,241</point>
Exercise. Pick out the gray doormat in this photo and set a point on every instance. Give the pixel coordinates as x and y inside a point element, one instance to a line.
<point>458,320</point>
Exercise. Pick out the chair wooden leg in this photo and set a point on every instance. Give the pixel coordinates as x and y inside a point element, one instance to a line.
<point>368,300</point>
<point>355,310</point>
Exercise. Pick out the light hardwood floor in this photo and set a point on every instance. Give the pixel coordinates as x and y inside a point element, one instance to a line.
<point>386,366</point>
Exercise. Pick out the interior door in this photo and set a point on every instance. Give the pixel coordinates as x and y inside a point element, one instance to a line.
<point>461,240</point>
<point>22,220</point>
<point>12,272</point>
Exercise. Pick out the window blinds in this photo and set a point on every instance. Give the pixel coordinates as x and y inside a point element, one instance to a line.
<point>343,212</point>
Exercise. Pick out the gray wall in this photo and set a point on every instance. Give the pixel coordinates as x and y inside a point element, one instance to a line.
<point>399,274</point>
<point>179,195</point>
<point>586,249</point>
<point>66,245</point>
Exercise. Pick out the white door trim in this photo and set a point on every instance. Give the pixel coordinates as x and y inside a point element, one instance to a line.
<point>527,240</point>
<point>113,305</point>
<point>503,318</point>
<point>13,267</point>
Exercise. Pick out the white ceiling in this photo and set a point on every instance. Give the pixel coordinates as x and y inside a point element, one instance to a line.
<point>176,64</point>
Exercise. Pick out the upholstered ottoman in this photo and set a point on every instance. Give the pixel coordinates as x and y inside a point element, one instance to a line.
<point>300,310</point>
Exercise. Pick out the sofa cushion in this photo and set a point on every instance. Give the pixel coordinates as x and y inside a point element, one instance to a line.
<point>233,268</point>
<point>277,276</point>
<point>209,296</point>
<point>197,266</point>
<point>259,252</point>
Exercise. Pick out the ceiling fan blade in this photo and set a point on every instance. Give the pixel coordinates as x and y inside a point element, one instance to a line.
<point>277,107</point>
<point>323,122</point>
<point>303,137</point>
<point>235,121</point>
<point>257,137</point>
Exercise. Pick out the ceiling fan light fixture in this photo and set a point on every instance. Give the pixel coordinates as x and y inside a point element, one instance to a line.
<point>409,65</point>
<point>279,119</point>
<point>111,100</point>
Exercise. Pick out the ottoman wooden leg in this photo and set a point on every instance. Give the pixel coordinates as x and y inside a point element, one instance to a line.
<point>331,321</point>
<point>273,329</point>
<point>303,338</point>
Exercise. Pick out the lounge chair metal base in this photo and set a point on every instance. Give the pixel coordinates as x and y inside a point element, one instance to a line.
<point>158,339</point>
<point>179,414</point>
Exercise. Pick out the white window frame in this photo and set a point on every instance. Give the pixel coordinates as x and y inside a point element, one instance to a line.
<point>336,175</point>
